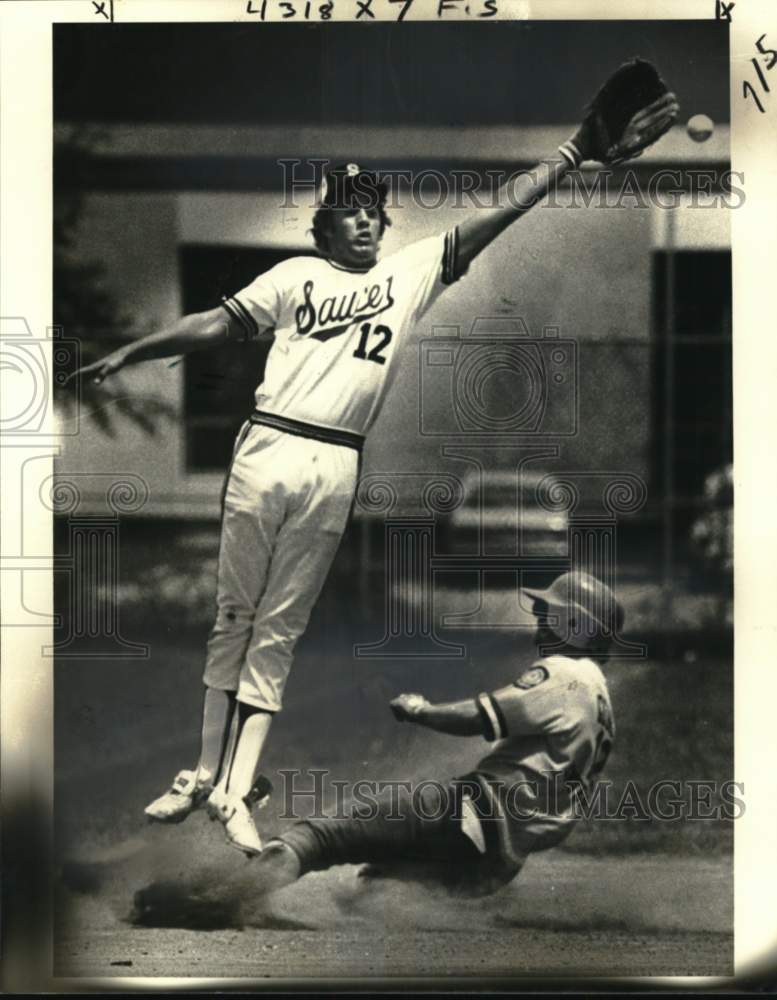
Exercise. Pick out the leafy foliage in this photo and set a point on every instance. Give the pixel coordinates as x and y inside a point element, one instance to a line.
<point>85,309</point>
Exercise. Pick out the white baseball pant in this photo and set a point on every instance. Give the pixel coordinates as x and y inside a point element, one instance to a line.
<point>286,506</point>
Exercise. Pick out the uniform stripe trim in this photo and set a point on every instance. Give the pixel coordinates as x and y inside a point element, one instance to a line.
<point>451,265</point>
<point>238,311</point>
<point>487,708</point>
<point>302,429</point>
<point>254,326</point>
<point>233,312</point>
<point>500,716</point>
<point>571,153</point>
<point>450,253</point>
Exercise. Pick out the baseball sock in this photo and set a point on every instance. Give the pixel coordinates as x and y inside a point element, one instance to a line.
<point>253,725</point>
<point>217,712</point>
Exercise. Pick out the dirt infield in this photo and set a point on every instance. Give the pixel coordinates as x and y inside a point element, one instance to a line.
<point>315,956</point>
<point>564,915</point>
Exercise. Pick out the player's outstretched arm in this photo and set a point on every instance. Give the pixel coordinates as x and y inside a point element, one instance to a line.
<point>190,333</point>
<point>457,718</point>
<point>630,112</point>
<point>514,199</point>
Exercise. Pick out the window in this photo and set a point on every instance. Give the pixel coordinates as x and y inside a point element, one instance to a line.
<point>219,385</point>
<point>692,387</point>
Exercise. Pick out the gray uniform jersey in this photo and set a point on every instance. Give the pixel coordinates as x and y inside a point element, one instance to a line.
<point>551,727</point>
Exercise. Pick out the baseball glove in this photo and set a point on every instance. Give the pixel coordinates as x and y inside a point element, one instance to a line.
<point>633,109</point>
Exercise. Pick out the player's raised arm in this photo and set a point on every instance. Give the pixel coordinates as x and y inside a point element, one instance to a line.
<point>631,111</point>
<point>190,333</point>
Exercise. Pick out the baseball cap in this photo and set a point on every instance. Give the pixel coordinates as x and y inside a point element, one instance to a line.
<point>350,186</point>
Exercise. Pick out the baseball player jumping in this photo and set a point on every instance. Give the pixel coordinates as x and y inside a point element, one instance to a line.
<point>339,322</point>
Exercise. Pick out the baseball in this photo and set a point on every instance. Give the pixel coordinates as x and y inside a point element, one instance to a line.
<point>700,128</point>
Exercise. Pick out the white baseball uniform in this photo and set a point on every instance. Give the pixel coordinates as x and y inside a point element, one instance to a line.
<point>338,332</point>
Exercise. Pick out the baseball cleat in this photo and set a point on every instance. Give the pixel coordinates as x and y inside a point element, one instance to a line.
<point>260,792</point>
<point>187,793</point>
<point>278,866</point>
<point>234,812</point>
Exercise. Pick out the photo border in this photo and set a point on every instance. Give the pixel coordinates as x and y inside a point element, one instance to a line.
<point>26,691</point>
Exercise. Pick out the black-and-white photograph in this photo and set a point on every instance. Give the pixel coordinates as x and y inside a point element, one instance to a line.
<point>392,504</point>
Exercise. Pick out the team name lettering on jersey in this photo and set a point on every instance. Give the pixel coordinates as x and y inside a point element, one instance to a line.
<point>322,314</point>
<point>335,314</point>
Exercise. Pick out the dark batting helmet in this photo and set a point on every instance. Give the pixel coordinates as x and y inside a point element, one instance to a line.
<point>579,609</point>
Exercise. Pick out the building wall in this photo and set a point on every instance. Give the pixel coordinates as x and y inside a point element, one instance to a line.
<point>586,272</point>
<point>136,237</point>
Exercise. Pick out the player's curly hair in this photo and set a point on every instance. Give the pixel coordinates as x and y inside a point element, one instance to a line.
<point>321,226</point>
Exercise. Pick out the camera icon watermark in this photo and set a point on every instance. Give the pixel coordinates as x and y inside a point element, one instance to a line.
<point>498,380</point>
<point>27,363</point>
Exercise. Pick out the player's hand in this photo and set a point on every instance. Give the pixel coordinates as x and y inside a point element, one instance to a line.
<point>408,707</point>
<point>100,370</point>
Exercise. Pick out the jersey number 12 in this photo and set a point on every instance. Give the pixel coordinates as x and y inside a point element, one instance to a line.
<point>375,353</point>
